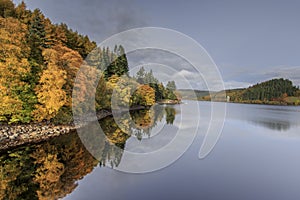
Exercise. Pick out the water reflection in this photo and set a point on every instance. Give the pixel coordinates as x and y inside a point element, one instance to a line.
<point>275,118</point>
<point>273,125</point>
<point>50,170</point>
<point>44,171</point>
<point>170,115</point>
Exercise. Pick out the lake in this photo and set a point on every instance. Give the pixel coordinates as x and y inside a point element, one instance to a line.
<point>256,157</point>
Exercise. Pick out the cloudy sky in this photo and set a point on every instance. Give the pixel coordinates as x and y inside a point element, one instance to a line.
<point>250,41</point>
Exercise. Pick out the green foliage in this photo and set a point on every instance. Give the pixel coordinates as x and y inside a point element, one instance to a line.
<point>63,116</point>
<point>275,92</point>
<point>144,77</point>
<point>77,42</point>
<point>170,115</point>
<point>171,85</point>
<point>37,36</point>
<point>115,63</point>
<point>270,90</point>
<point>16,180</point>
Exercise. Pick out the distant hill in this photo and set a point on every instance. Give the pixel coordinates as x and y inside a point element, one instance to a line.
<point>192,94</point>
<point>276,92</point>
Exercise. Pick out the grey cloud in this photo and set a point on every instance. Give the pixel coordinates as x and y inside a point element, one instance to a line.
<point>98,19</point>
<point>236,84</point>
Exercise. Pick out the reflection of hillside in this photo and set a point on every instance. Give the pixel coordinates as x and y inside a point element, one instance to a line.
<point>50,170</point>
<point>144,120</point>
<point>45,171</point>
<point>273,125</point>
<point>107,148</point>
<point>113,131</point>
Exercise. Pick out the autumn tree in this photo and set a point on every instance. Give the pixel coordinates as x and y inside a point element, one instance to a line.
<point>22,14</point>
<point>14,68</point>
<point>48,172</point>
<point>144,95</point>
<point>84,88</point>
<point>119,90</point>
<point>49,92</point>
<point>7,8</point>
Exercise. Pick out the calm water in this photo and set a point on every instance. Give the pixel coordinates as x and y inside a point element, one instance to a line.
<point>256,157</point>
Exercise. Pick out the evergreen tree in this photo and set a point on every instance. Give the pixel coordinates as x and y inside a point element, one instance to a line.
<point>140,75</point>
<point>37,36</point>
<point>116,62</point>
<point>171,86</point>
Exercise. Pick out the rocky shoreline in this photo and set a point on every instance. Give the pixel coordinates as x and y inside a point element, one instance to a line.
<point>12,136</point>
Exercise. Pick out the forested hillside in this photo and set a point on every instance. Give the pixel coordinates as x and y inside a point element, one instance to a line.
<point>270,90</point>
<point>40,60</point>
<point>276,91</point>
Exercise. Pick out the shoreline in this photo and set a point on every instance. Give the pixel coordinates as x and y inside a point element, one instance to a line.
<point>12,136</point>
<point>271,103</point>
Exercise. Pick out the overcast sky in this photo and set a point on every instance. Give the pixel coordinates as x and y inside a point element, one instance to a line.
<point>250,41</point>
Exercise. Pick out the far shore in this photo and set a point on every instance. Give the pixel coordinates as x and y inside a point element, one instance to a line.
<point>270,103</point>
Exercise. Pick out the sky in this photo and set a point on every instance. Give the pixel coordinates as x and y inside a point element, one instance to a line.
<point>249,41</point>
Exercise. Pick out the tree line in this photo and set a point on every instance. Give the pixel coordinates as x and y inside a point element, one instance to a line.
<point>275,91</point>
<point>270,90</point>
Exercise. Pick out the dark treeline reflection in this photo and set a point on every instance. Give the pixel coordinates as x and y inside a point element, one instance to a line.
<point>50,170</point>
<point>273,125</point>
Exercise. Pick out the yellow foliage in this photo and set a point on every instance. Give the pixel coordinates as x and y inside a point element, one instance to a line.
<point>85,88</point>
<point>12,38</point>
<point>48,172</point>
<point>146,95</point>
<point>62,64</point>
<point>49,92</point>
<point>122,88</point>
<point>13,66</point>
<point>70,61</point>
<point>145,119</point>
<point>9,106</point>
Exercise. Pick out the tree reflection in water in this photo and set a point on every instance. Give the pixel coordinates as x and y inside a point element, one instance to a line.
<point>51,169</point>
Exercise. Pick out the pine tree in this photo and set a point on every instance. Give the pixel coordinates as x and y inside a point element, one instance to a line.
<point>37,36</point>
